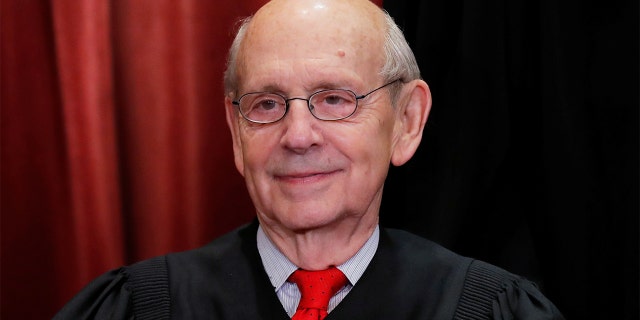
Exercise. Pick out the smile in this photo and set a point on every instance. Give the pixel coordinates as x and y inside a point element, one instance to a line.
<point>305,178</point>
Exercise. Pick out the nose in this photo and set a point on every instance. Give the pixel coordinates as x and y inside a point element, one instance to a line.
<point>301,130</point>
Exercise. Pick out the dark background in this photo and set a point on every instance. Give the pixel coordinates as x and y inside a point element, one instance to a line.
<point>530,155</point>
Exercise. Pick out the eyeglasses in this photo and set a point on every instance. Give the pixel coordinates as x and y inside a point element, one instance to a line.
<point>328,105</point>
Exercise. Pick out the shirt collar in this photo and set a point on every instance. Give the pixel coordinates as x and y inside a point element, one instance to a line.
<point>279,267</point>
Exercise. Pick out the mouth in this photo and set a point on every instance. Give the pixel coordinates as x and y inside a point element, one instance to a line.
<point>305,177</point>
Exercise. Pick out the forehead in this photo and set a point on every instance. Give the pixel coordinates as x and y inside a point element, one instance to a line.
<point>335,42</point>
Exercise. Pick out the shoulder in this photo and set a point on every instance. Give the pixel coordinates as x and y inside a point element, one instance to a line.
<point>144,289</point>
<point>474,289</point>
<point>106,297</point>
<point>492,291</point>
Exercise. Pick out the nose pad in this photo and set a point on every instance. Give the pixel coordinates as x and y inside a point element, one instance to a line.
<point>300,131</point>
<point>305,105</point>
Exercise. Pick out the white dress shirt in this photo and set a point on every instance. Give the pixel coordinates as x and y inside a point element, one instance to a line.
<point>279,268</point>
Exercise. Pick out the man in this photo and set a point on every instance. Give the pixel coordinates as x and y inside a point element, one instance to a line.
<point>321,96</point>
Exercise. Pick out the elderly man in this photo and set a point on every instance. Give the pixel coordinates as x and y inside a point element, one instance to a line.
<point>321,96</point>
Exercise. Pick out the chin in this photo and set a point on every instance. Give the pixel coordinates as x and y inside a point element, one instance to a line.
<point>302,220</point>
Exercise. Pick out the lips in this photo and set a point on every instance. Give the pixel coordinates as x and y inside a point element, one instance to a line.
<point>305,177</point>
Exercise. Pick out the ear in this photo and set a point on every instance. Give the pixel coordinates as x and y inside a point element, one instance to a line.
<point>232,122</point>
<point>413,109</point>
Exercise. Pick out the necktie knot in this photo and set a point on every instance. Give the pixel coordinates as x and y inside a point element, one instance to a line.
<point>317,288</point>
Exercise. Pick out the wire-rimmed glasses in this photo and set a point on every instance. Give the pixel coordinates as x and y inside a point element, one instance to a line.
<point>328,105</point>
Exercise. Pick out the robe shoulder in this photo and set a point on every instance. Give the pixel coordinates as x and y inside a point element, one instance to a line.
<point>139,291</point>
<point>468,288</point>
<point>106,297</point>
<point>503,295</point>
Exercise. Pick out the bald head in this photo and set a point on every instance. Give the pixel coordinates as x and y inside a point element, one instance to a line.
<point>322,18</point>
<point>350,28</point>
<point>289,8</point>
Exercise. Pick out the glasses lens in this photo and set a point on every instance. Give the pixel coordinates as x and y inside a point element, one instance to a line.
<point>262,107</point>
<point>333,104</point>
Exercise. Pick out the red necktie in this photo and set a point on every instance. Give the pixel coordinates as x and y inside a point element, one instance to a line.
<point>317,287</point>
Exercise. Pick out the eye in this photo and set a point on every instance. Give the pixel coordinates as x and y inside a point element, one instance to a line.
<point>265,104</point>
<point>262,107</point>
<point>334,98</point>
<point>261,102</point>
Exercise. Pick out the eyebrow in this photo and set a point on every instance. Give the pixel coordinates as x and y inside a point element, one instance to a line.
<point>318,86</point>
<point>331,85</point>
<point>271,88</point>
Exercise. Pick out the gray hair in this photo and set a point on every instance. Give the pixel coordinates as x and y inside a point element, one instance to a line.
<point>230,74</point>
<point>400,63</point>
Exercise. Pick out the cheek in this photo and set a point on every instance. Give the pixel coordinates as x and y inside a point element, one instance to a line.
<point>252,138</point>
<point>256,154</point>
<point>256,149</point>
<point>373,137</point>
<point>369,151</point>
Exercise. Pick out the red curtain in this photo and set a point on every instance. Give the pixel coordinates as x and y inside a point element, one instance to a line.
<point>114,143</point>
<point>113,140</point>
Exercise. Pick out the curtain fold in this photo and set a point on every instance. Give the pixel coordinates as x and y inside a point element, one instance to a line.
<point>81,36</point>
<point>39,261</point>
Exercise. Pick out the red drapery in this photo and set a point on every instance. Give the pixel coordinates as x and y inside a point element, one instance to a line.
<point>114,143</point>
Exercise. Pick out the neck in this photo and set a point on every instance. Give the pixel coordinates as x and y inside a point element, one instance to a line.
<point>321,248</point>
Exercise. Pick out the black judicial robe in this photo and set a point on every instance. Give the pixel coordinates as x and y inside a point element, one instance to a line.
<point>408,278</point>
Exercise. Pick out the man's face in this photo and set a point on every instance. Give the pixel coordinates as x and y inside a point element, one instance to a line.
<point>303,173</point>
